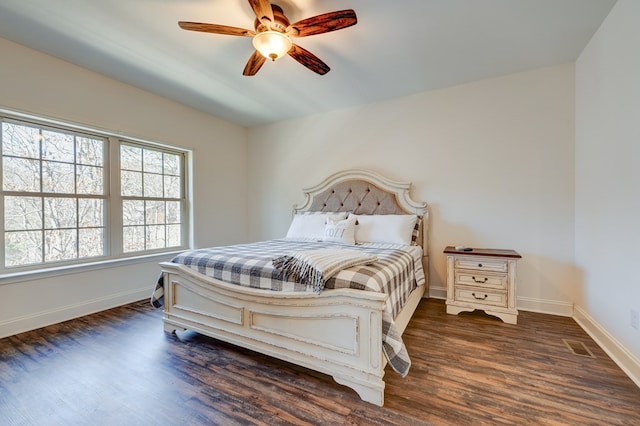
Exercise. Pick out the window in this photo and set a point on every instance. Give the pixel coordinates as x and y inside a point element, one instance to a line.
<point>151,187</point>
<point>54,195</point>
<point>58,201</point>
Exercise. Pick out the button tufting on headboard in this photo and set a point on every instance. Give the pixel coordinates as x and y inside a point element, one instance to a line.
<point>359,197</point>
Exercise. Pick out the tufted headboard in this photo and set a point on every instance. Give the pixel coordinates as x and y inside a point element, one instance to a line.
<point>366,192</point>
<point>357,196</point>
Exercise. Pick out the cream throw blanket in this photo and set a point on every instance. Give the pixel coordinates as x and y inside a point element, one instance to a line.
<point>315,267</point>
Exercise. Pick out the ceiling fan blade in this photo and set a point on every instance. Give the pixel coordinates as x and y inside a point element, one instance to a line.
<point>324,23</point>
<point>309,60</point>
<point>215,29</point>
<point>263,11</point>
<point>254,64</point>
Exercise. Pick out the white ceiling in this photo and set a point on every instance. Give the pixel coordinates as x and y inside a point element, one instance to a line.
<point>397,48</point>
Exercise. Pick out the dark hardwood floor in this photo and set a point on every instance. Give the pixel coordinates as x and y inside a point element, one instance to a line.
<point>118,367</point>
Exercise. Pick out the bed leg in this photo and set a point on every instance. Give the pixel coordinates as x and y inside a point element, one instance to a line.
<point>372,392</point>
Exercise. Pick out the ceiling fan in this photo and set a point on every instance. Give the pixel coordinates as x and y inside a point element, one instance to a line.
<point>273,33</point>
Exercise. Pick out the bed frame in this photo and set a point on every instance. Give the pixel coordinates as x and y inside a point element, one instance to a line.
<point>337,332</point>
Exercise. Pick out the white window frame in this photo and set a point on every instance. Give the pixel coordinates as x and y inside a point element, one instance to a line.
<point>182,199</point>
<point>113,241</point>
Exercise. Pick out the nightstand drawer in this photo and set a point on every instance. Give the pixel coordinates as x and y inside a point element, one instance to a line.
<point>481,297</point>
<point>482,264</point>
<point>481,279</point>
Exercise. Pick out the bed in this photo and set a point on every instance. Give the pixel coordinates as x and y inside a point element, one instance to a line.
<point>336,331</point>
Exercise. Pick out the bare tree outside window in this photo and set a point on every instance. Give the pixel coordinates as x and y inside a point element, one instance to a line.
<point>54,194</point>
<point>151,187</point>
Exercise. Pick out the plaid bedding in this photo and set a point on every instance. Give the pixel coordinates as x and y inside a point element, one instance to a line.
<point>396,273</point>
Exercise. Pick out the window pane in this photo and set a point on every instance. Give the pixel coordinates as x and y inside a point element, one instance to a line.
<point>173,211</point>
<point>152,161</point>
<point>172,187</point>
<point>90,151</point>
<point>20,174</point>
<point>152,185</point>
<point>133,238</point>
<point>132,212</point>
<point>172,164</point>
<point>173,235</point>
<point>90,212</point>
<point>59,213</point>
<point>155,212</point>
<point>155,237</point>
<point>130,158</point>
<point>131,184</point>
<point>21,141</point>
<point>58,177</point>
<point>90,180</point>
<point>22,213</point>
<point>91,242</point>
<point>60,244</point>
<point>57,146</point>
<point>22,248</point>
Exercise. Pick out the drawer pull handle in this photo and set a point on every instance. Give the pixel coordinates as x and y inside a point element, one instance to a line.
<point>480,298</point>
<point>480,281</point>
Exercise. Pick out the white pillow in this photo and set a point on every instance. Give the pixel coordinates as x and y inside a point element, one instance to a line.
<point>385,228</point>
<point>340,231</point>
<point>311,225</point>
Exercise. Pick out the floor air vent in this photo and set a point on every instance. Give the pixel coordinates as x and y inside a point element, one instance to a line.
<point>578,348</point>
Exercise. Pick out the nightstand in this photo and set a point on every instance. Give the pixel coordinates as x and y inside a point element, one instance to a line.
<point>482,279</point>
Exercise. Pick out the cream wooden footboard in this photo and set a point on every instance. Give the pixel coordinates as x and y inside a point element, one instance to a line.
<point>338,332</point>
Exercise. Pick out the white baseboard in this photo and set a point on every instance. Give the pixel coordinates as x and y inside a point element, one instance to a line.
<point>543,306</point>
<point>628,362</point>
<point>65,313</point>
<point>437,292</point>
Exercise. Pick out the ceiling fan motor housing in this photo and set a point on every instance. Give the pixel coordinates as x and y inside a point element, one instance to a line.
<point>280,22</point>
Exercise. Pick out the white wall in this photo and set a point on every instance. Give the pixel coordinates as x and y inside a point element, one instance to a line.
<point>608,180</point>
<point>35,83</point>
<point>493,158</point>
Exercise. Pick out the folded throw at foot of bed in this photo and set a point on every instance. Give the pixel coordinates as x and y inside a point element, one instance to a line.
<point>315,267</point>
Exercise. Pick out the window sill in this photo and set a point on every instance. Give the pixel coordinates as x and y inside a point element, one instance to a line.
<point>17,277</point>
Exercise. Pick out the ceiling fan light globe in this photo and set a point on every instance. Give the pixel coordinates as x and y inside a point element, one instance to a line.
<point>272,44</point>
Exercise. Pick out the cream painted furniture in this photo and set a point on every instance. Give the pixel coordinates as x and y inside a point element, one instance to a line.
<point>483,279</point>
<point>337,332</point>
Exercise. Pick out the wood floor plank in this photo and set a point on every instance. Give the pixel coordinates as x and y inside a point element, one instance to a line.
<point>118,367</point>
